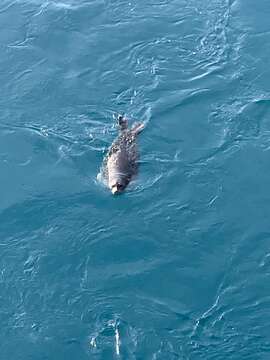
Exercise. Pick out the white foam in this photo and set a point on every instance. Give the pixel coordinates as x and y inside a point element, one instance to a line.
<point>117,341</point>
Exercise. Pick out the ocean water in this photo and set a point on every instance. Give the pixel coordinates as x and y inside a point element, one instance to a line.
<point>178,267</point>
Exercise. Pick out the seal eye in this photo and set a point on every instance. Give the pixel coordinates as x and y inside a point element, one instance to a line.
<point>120,187</point>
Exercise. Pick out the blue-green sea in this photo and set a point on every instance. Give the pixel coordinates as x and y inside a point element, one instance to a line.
<point>178,266</point>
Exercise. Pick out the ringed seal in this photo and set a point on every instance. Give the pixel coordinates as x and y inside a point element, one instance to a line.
<point>121,162</point>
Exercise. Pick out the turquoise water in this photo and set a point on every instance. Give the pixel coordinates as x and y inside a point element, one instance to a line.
<point>177,267</point>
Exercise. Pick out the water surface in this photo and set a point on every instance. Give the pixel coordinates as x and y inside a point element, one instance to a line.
<point>178,267</point>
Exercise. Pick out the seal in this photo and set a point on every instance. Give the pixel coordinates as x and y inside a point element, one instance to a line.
<point>121,162</point>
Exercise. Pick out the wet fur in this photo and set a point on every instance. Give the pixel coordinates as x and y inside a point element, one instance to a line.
<point>124,150</point>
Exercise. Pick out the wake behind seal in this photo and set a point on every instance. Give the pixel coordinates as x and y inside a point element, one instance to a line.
<point>120,164</point>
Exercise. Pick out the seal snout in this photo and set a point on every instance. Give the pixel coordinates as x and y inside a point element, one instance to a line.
<point>117,189</point>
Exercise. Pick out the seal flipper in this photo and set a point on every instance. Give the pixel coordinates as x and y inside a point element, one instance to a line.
<point>137,128</point>
<point>122,122</point>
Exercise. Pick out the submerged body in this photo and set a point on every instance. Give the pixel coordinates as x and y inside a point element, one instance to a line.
<point>121,164</point>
